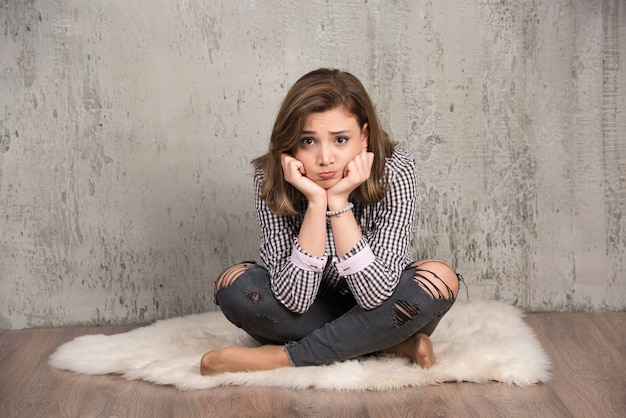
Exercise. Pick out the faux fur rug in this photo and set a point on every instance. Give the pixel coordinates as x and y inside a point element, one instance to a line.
<point>475,342</point>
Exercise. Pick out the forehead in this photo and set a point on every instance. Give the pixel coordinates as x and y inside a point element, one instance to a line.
<point>333,120</point>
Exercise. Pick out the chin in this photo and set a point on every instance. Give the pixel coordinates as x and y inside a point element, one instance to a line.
<point>327,184</point>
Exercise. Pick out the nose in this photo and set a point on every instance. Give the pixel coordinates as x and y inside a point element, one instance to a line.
<point>325,156</point>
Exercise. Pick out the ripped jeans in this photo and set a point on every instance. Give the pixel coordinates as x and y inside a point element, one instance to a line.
<point>336,328</point>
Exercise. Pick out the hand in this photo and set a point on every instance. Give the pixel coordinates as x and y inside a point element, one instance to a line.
<point>356,173</point>
<point>295,174</point>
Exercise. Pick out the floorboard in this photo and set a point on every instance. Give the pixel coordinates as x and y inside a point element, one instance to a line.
<point>588,352</point>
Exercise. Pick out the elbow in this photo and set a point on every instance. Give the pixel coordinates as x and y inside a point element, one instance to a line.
<point>296,306</point>
<point>369,304</point>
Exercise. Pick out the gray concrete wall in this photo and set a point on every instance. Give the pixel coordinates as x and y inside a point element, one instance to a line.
<point>126,131</point>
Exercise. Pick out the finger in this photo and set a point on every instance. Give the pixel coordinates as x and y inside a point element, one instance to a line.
<point>362,162</point>
<point>363,165</point>
<point>291,165</point>
<point>355,171</point>
<point>285,159</point>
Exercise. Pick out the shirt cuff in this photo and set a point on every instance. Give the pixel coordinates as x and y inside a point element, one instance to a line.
<point>353,263</point>
<point>305,261</point>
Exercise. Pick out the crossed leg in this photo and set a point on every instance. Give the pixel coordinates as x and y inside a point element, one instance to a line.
<point>439,280</point>
<point>435,277</point>
<point>239,359</point>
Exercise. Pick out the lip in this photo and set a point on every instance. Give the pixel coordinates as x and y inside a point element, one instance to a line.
<point>327,175</point>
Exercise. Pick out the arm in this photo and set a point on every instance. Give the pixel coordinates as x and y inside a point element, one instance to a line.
<point>295,274</point>
<point>312,235</point>
<point>373,266</point>
<point>346,231</point>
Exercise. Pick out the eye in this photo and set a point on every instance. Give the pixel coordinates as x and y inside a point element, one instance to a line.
<point>306,141</point>
<point>342,139</point>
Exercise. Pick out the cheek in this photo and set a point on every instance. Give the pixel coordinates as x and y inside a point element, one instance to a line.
<point>351,155</point>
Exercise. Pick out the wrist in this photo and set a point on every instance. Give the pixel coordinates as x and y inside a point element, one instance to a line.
<point>317,205</point>
<point>336,203</point>
<point>331,213</point>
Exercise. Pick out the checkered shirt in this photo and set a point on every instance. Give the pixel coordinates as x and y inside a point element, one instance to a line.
<point>377,260</point>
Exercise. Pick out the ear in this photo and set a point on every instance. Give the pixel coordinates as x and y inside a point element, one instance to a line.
<point>365,135</point>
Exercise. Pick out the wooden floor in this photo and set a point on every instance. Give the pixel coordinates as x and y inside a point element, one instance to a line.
<point>588,351</point>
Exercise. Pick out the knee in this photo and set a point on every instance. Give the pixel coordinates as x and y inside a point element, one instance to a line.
<point>439,279</point>
<point>231,274</point>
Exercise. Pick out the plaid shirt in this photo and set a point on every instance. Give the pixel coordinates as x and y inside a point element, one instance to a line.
<point>370,270</point>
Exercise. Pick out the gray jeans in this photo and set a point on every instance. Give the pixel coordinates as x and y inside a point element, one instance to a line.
<point>334,328</point>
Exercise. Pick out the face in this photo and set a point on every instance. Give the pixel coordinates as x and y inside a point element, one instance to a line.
<point>329,141</point>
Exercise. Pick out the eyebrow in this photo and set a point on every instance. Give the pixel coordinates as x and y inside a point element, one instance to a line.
<point>345,131</point>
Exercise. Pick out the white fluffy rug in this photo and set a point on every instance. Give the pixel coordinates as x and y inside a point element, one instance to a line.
<point>475,342</point>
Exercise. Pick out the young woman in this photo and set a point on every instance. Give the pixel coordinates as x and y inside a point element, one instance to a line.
<point>335,201</point>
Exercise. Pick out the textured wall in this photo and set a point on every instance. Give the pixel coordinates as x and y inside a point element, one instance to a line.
<point>126,131</point>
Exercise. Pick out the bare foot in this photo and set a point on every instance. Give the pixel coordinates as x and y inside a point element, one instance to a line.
<point>418,348</point>
<point>243,359</point>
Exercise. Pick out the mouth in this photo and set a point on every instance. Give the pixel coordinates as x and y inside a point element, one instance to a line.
<point>327,175</point>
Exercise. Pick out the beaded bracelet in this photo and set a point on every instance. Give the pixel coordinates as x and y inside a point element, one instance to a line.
<point>339,211</point>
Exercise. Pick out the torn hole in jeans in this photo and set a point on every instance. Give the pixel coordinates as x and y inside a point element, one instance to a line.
<point>404,312</point>
<point>430,287</point>
<point>254,297</point>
